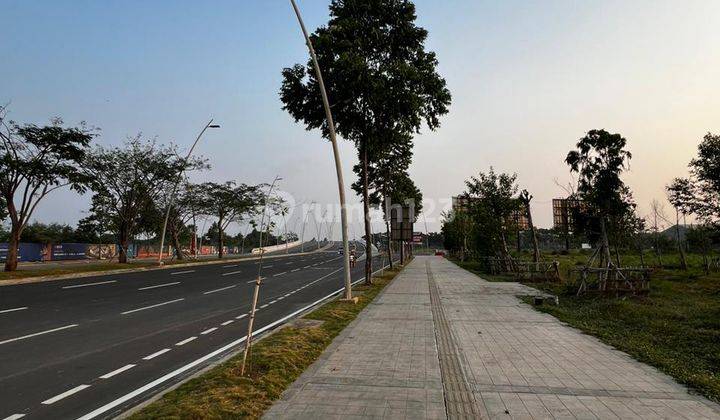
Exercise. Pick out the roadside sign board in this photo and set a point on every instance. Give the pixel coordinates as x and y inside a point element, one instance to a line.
<point>401,223</point>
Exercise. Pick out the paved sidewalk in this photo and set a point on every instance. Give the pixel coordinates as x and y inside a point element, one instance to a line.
<point>440,342</point>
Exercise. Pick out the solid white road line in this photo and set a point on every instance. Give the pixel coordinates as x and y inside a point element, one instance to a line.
<point>159,285</point>
<point>231,273</point>
<point>156,354</point>
<point>227,322</point>
<point>208,331</point>
<point>182,272</point>
<point>230,266</point>
<point>241,316</point>
<point>185,341</point>
<point>149,307</point>
<point>117,371</point>
<point>294,270</point>
<point>152,384</point>
<point>13,310</point>
<point>89,284</point>
<point>65,394</point>
<point>220,289</point>
<point>14,417</point>
<point>264,306</point>
<point>38,333</point>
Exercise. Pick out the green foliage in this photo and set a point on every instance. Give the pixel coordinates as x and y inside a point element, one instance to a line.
<point>34,161</point>
<point>706,173</point>
<point>127,181</point>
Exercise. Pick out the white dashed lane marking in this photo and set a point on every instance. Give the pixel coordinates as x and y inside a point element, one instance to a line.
<point>156,354</point>
<point>150,307</point>
<point>74,286</point>
<point>38,333</point>
<point>65,394</point>
<point>231,273</point>
<point>185,341</point>
<point>14,417</point>
<point>264,306</point>
<point>230,266</point>
<point>241,316</point>
<point>220,289</point>
<point>13,310</point>
<point>117,371</point>
<point>208,331</point>
<point>182,272</point>
<point>159,285</point>
<point>280,274</point>
<point>227,322</point>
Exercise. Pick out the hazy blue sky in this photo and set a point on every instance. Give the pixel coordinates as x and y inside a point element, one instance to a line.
<point>528,79</point>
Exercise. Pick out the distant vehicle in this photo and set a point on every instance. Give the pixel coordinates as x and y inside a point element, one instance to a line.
<point>440,252</point>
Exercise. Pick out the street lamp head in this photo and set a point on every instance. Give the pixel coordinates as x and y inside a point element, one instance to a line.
<point>214,126</point>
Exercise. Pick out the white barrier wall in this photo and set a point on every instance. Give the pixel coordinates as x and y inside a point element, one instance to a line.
<point>274,248</point>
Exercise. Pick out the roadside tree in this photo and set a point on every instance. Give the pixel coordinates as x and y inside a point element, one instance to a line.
<point>379,83</point>
<point>35,161</point>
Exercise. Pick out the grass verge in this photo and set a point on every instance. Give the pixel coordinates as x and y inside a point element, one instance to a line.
<point>276,362</point>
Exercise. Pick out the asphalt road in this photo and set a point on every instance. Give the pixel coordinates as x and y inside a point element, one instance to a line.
<point>96,346</point>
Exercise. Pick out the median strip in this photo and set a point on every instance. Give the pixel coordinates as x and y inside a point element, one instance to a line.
<point>150,307</point>
<point>38,333</point>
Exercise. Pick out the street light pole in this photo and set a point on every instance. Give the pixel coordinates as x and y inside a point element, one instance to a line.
<point>336,154</point>
<point>258,282</point>
<point>172,195</point>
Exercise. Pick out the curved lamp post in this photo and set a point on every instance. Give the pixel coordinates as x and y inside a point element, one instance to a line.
<point>336,154</point>
<point>172,195</point>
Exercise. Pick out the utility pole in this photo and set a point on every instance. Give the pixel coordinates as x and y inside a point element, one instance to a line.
<point>172,195</point>
<point>336,155</point>
<point>258,282</point>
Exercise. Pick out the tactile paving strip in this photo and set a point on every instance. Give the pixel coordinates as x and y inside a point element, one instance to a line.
<point>459,399</point>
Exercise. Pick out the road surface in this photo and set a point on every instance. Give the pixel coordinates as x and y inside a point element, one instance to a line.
<point>96,346</point>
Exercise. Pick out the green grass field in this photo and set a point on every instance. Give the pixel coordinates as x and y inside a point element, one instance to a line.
<point>675,328</point>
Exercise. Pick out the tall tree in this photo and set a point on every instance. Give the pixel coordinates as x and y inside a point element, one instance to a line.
<point>229,203</point>
<point>599,159</point>
<point>128,180</point>
<point>35,161</point>
<point>681,194</point>
<point>379,78</point>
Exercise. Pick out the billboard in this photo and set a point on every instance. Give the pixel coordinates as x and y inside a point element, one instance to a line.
<point>26,252</point>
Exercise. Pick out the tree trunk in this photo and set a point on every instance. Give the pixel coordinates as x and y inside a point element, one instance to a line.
<point>533,234</point>
<point>176,243</point>
<point>366,212</point>
<point>124,244</point>
<point>220,236</point>
<point>389,251</point>
<point>12,253</point>
<point>605,243</point>
<point>683,261</point>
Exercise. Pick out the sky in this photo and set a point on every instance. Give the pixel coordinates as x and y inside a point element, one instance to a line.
<point>528,79</point>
